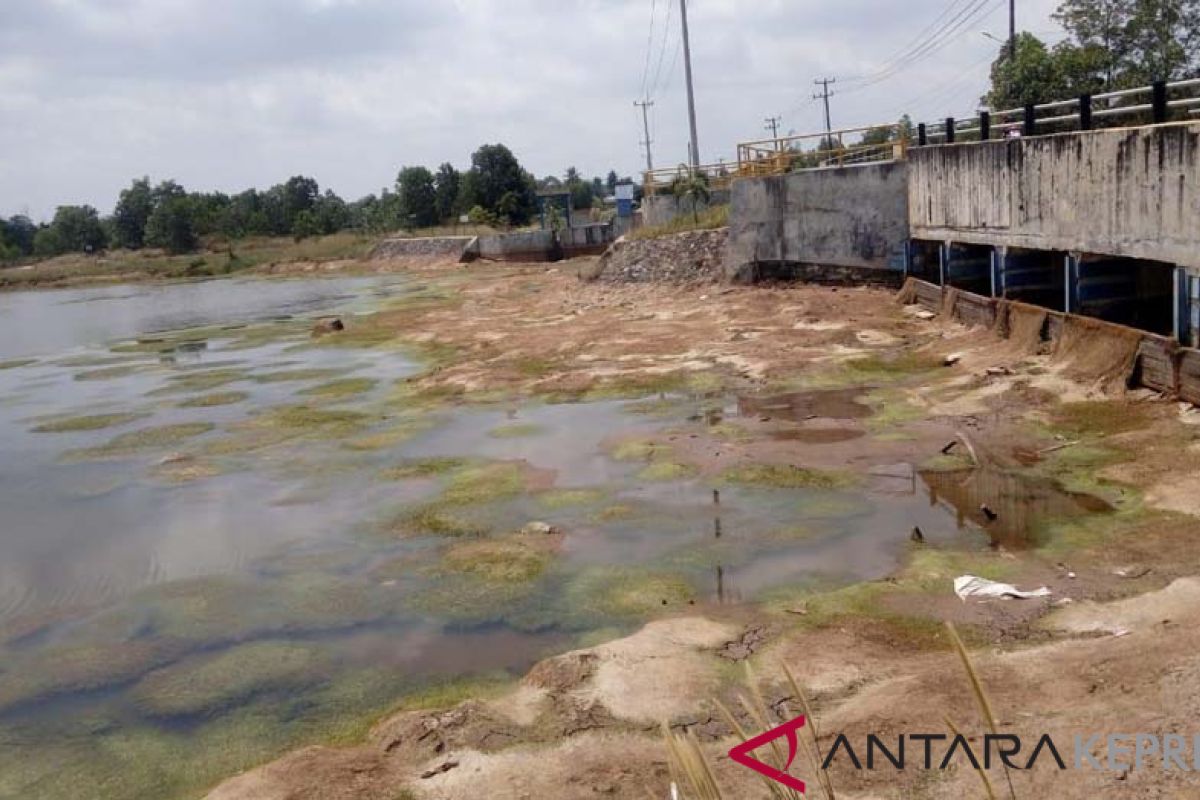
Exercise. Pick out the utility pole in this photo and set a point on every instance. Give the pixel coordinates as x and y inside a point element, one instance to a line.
<point>773,126</point>
<point>825,95</point>
<point>687,69</point>
<point>1012,30</point>
<point>645,104</point>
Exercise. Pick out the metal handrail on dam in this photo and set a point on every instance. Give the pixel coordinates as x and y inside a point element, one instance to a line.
<point>1151,104</point>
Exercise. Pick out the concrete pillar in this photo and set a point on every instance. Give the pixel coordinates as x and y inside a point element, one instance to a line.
<point>1071,283</point>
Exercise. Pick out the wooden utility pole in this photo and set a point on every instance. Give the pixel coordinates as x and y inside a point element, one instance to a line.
<point>644,105</point>
<point>694,156</point>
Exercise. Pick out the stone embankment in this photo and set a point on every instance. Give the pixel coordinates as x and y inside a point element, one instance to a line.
<point>691,257</point>
<point>449,249</point>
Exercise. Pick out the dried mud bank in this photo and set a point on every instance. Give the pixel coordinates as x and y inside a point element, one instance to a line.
<point>838,388</point>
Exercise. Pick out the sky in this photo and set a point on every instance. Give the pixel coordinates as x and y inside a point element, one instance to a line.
<point>229,94</point>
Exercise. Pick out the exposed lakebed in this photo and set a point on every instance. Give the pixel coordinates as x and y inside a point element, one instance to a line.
<point>222,538</point>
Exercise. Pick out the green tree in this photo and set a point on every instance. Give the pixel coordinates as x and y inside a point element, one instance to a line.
<point>170,225</point>
<point>495,173</point>
<point>306,226</point>
<point>447,183</point>
<point>75,229</point>
<point>418,196</point>
<point>1034,76</point>
<point>19,232</point>
<point>692,187</point>
<point>611,182</point>
<point>331,213</point>
<point>299,194</point>
<point>134,207</point>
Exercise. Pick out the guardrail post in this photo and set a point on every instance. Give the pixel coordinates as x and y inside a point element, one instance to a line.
<point>922,135</point>
<point>1159,89</point>
<point>949,130</point>
<point>1030,120</point>
<point>1085,112</point>
<point>985,126</point>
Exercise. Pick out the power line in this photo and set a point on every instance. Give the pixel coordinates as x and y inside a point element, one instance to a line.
<point>916,41</point>
<point>662,50</point>
<point>649,48</point>
<point>952,14</point>
<point>948,33</point>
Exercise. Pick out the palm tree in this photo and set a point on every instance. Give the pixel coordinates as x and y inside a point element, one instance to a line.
<point>693,186</point>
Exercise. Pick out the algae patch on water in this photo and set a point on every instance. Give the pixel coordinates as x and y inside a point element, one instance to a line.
<point>207,684</point>
<point>214,399</point>
<point>17,363</point>
<point>142,441</point>
<point>346,387</point>
<point>91,422</point>
<point>627,591</point>
<point>423,468</point>
<point>786,476</point>
<point>511,560</point>
<point>515,431</point>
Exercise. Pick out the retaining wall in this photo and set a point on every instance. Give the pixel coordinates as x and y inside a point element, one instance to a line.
<point>450,248</point>
<point>849,217</point>
<point>661,209</point>
<point>541,245</point>
<point>1161,364</point>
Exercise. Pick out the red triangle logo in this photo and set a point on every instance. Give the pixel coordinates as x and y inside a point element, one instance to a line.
<point>741,754</point>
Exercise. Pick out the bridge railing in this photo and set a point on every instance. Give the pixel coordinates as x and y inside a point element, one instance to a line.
<point>1154,104</point>
<point>662,181</point>
<point>867,144</point>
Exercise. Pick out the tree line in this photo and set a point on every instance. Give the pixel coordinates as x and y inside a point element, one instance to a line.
<point>1110,45</point>
<point>495,190</point>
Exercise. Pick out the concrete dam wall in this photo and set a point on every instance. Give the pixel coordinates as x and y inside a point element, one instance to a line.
<point>1131,193</point>
<point>845,223</point>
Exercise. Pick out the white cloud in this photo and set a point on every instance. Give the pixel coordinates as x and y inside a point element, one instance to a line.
<point>226,94</point>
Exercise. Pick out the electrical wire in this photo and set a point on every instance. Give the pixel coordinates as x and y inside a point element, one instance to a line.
<point>649,48</point>
<point>949,33</point>
<point>662,50</point>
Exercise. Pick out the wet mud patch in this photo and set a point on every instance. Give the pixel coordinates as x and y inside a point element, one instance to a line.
<point>803,406</point>
<point>1013,509</point>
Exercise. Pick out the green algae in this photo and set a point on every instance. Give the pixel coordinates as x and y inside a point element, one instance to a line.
<point>423,468</point>
<point>515,431</point>
<point>214,399</point>
<point>346,387</point>
<point>570,498</point>
<point>109,373</point>
<point>17,363</point>
<point>200,381</point>
<point>142,441</point>
<point>393,434</point>
<point>300,374</point>
<point>484,483</point>
<point>437,520</point>
<point>508,560</point>
<point>666,471</point>
<point>638,450</point>
<point>785,476</point>
<point>210,683</point>
<point>91,422</point>
<point>627,591</point>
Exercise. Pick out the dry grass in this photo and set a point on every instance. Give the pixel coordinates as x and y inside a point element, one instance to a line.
<point>214,259</point>
<point>710,219</point>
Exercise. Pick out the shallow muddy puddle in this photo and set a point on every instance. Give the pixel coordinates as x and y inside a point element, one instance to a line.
<point>223,542</point>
